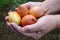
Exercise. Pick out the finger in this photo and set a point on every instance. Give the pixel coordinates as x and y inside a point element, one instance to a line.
<point>8,24</point>
<point>33,4</point>
<point>6,18</point>
<point>29,28</point>
<point>28,4</point>
<point>41,34</point>
<point>35,36</point>
<point>15,26</point>
<point>50,12</point>
<point>16,8</point>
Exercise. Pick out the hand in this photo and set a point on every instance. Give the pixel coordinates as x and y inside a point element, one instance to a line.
<point>52,6</point>
<point>41,26</point>
<point>30,4</point>
<point>37,30</point>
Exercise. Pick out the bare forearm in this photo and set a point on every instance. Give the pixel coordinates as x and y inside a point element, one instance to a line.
<point>58,20</point>
<point>53,6</point>
<point>51,2</point>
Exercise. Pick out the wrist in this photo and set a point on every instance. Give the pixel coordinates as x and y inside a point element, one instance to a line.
<point>58,20</point>
<point>50,3</point>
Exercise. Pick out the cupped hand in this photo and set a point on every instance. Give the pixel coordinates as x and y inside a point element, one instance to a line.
<point>52,6</point>
<point>37,30</point>
<point>29,5</point>
<point>44,25</point>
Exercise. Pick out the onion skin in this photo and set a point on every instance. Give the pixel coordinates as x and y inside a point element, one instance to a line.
<point>37,11</point>
<point>14,17</point>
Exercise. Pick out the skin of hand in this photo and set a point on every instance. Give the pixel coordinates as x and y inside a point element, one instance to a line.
<point>52,5</point>
<point>43,25</point>
<point>58,21</point>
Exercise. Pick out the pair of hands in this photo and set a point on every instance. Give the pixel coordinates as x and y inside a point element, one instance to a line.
<point>44,25</point>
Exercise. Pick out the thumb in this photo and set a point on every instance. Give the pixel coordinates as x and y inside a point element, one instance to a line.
<point>53,11</point>
<point>28,4</point>
<point>50,12</point>
<point>29,28</point>
<point>6,18</point>
<point>16,27</point>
